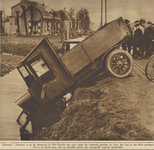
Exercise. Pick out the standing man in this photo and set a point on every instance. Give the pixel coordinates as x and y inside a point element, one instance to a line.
<point>137,40</point>
<point>152,37</point>
<point>142,25</point>
<point>128,43</point>
<point>148,38</point>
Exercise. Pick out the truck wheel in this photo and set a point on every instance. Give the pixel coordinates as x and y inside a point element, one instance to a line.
<point>119,63</point>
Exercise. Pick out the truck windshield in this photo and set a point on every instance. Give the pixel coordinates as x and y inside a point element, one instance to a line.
<point>39,67</point>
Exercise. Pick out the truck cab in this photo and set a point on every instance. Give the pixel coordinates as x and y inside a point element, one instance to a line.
<point>44,75</point>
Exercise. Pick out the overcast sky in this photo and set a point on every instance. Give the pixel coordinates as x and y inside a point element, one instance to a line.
<point>130,9</point>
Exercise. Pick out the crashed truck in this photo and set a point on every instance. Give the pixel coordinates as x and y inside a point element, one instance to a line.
<point>49,76</point>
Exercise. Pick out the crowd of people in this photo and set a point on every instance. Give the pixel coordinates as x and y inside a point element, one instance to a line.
<point>142,39</point>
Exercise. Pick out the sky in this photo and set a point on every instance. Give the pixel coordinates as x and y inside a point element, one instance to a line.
<point>128,9</point>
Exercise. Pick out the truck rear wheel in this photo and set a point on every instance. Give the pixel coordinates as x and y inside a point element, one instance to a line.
<point>119,63</point>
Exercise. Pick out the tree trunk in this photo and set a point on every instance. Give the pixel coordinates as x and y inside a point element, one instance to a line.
<point>2,31</point>
<point>23,8</point>
<point>18,22</point>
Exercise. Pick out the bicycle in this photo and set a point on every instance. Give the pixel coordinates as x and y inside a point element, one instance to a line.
<point>149,69</point>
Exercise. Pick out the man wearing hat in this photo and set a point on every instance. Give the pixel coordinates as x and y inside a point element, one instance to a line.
<point>152,37</point>
<point>149,22</point>
<point>137,40</point>
<point>148,38</point>
<point>142,25</point>
<point>128,43</point>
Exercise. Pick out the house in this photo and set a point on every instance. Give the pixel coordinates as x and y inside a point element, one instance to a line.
<point>69,23</point>
<point>33,18</point>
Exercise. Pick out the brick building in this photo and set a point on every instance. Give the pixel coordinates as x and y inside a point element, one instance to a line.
<point>28,17</point>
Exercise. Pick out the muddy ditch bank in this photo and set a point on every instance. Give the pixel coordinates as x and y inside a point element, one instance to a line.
<point>22,45</point>
<point>9,62</point>
<point>106,108</point>
<point>15,48</point>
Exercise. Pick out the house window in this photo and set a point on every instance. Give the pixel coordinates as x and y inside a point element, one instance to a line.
<point>39,27</point>
<point>29,26</point>
<point>77,25</point>
<point>56,26</point>
<point>35,27</point>
<point>48,26</point>
<point>73,25</point>
<point>52,26</point>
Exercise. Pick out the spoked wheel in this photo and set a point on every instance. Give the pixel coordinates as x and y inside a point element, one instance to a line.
<point>149,69</point>
<point>119,63</point>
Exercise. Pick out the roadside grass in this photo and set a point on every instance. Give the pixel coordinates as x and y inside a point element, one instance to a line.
<point>95,112</point>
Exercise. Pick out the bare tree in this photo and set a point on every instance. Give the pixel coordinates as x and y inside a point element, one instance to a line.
<point>72,13</point>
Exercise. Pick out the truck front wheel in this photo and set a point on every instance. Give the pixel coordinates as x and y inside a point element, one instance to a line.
<point>119,63</point>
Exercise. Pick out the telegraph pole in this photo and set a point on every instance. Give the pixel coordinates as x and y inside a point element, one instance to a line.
<point>105,11</point>
<point>1,25</point>
<point>101,11</point>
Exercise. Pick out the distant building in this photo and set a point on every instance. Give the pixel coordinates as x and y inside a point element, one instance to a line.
<point>69,23</point>
<point>68,20</point>
<point>29,18</point>
<point>33,18</point>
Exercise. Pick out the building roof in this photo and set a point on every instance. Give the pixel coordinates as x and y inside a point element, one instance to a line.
<point>66,13</point>
<point>47,13</point>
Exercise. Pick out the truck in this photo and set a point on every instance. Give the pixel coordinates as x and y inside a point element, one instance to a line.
<point>49,77</point>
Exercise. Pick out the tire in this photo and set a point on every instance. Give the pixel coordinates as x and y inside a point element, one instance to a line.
<point>149,69</point>
<point>119,63</point>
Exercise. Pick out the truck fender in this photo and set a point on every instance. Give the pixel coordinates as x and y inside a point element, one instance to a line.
<point>106,54</point>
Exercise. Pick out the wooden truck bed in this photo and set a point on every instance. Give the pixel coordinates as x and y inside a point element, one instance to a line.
<point>94,46</point>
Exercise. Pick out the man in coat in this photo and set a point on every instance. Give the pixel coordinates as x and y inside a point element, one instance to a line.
<point>148,38</point>
<point>128,43</point>
<point>137,40</point>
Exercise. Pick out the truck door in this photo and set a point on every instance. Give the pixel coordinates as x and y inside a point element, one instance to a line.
<point>25,73</point>
<point>51,77</point>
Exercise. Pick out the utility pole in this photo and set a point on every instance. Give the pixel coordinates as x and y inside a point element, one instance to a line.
<point>101,11</point>
<point>105,11</point>
<point>1,25</point>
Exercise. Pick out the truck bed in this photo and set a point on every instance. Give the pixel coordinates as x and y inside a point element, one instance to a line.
<point>94,46</point>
